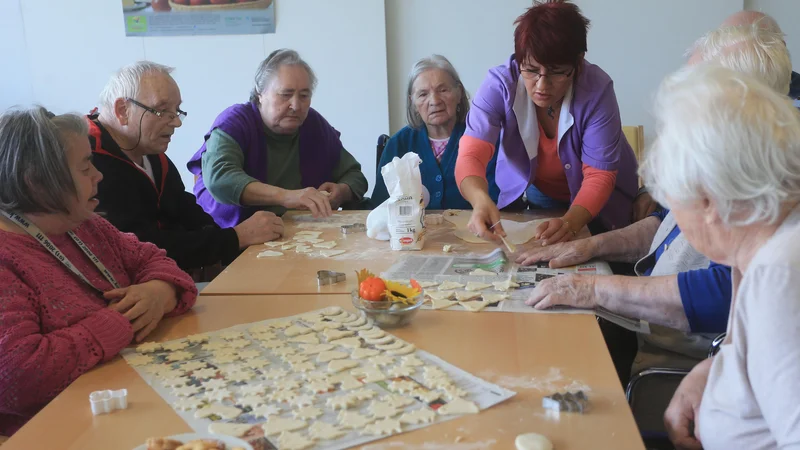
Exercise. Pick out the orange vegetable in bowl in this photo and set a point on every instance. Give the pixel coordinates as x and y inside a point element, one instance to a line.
<point>372,289</point>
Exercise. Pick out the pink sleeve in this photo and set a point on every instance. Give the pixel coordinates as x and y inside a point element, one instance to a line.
<point>145,262</point>
<point>596,189</point>
<point>474,156</point>
<point>36,366</point>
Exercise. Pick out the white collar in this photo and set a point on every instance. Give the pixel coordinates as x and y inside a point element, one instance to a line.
<point>528,124</point>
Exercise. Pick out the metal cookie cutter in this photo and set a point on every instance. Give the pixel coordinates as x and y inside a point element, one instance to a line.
<point>568,402</point>
<point>354,228</point>
<point>103,402</point>
<point>329,277</point>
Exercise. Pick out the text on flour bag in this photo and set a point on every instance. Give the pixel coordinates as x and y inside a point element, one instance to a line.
<point>406,205</point>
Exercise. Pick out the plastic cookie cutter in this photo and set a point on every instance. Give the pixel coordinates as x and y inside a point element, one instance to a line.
<point>567,402</point>
<point>354,228</point>
<point>103,402</point>
<point>329,277</point>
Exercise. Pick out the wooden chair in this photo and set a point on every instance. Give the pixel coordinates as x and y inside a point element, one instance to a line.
<point>635,136</point>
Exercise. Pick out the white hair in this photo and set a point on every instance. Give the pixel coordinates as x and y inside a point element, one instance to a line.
<point>271,65</point>
<point>423,65</point>
<point>758,50</point>
<point>125,82</point>
<point>725,136</point>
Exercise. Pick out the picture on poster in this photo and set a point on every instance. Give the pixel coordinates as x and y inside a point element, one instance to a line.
<point>198,17</point>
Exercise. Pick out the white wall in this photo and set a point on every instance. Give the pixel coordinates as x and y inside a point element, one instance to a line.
<point>70,55</point>
<point>637,42</point>
<point>787,13</point>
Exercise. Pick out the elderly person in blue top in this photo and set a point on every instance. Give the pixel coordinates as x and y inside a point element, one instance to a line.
<point>678,287</point>
<point>275,152</point>
<point>436,110</point>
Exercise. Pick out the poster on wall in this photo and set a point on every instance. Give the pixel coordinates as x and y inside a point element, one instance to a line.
<point>198,17</point>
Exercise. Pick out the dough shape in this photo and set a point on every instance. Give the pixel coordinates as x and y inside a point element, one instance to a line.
<point>442,304</point>
<point>295,359</point>
<point>399,401</point>
<point>393,346</point>
<point>253,401</point>
<point>447,248</point>
<point>139,360</point>
<point>260,328</point>
<point>331,253</point>
<point>256,363</point>
<point>266,411</point>
<point>344,317</point>
<point>467,296</point>
<point>253,389</point>
<point>157,369</point>
<point>516,232</point>
<point>302,400</point>
<point>325,431</point>
<point>427,284</point>
<point>440,295</point>
<point>340,365</point>
<point>197,338</point>
<point>476,286</point>
<point>284,352</point>
<point>186,391</point>
<point>381,340</point>
<point>411,361</point>
<point>372,333</point>
<point>222,411</point>
<point>309,240</point>
<point>458,406</point>
<point>174,345</point>
<point>364,394</point>
<point>175,381</point>
<point>230,429</point>
<point>494,298</point>
<point>482,273</point>
<point>304,366</point>
<point>360,320</point>
<point>282,396</point>
<point>322,326</point>
<point>350,342</point>
<point>244,375</point>
<point>532,441</point>
<point>416,417</point>
<point>294,441</point>
<point>303,249</point>
<point>341,402</point>
<point>367,326</point>
<point>225,358</point>
<point>231,335</point>
<point>273,253</point>
<point>381,360</point>
<point>275,244</point>
<point>347,382</point>
<point>288,246</point>
<point>272,344</point>
<point>403,386</point>
<point>307,413</point>
<point>369,375</point>
<point>204,374</point>
<point>409,348</point>
<point>305,339</point>
<point>361,353</point>
<point>353,420</point>
<point>327,245</point>
<point>187,404</point>
<point>276,425</point>
<point>383,427</point>
<point>217,395</point>
<point>331,311</point>
<point>383,410</point>
<point>333,334</point>
<point>450,285</point>
<point>215,345</point>
<point>280,323</point>
<point>316,387</point>
<point>452,392</point>
<point>249,354</point>
<point>297,330</point>
<point>193,365</point>
<point>504,286</point>
<point>149,347</point>
<point>475,306</point>
<point>314,349</point>
<point>401,371</point>
<point>324,357</point>
<point>314,234</point>
<point>275,374</point>
<point>286,384</point>
<point>425,395</point>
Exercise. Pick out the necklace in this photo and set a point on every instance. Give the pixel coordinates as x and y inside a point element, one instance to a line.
<point>551,112</point>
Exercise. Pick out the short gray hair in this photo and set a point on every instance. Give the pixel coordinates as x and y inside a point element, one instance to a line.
<point>270,66</point>
<point>126,81</point>
<point>423,65</point>
<point>757,50</point>
<point>33,161</point>
<point>726,136</point>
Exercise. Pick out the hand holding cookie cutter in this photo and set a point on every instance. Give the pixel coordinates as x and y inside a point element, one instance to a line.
<point>103,402</point>
<point>329,277</point>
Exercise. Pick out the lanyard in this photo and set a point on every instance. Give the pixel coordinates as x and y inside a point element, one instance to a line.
<point>37,234</point>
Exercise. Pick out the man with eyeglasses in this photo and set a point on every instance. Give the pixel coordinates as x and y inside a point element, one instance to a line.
<point>142,191</point>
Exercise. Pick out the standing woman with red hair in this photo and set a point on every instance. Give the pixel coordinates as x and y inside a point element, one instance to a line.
<point>561,139</point>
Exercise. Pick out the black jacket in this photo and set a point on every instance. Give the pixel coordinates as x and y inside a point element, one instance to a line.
<point>161,212</point>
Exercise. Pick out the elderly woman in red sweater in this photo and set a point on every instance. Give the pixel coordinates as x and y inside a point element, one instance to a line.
<point>75,291</point>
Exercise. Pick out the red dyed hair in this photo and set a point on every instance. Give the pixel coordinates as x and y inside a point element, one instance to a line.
<point>553,32</point>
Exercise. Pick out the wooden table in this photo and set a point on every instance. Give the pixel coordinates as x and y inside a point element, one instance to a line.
<point>531,354</point>
<point>295,273</point>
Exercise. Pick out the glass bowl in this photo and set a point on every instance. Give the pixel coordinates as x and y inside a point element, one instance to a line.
<point>386,314</point>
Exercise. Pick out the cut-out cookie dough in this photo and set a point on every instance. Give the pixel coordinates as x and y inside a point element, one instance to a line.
<point>294,441</point>
<point>367,325</point>
<point>393,346</point>
<point>251,389</point>
<point>372,333</point>
<point>288,246</point>
<point>475,306</point>
<point>308,240</point>
<point>313,234</point>
<point>322,326</point>
<point>411,361</point>
<point>314,349</point>
<point>276,425</point>
<point>339,365</point>
<point>532,441</point>
<point>302,400</point>
<point>476,286</point>
<point>217,395</point>
<point>187,404</point>
<point>193,365</point>
<point>482,273</point>
<point>331,311</point>
<point>330,356</point>
<point>197,338</point>
<point>175,345</point>
<point>381,360</point>
<point>416,417</point>
<point>349,342</point>
<point>447,248</point>
<point>364,394</point>
<point>369,375</point>
<point>383,427</point>
<point>425,395</point>
<point>252,401</point>
<point>272,253</point>
<point>409,348</point>
<point>442,304</point>
<point>341,402</point>
<point>450,285</point>
<point>327,245</point>
<point>303,249</point>
<point>325,431</point>
<point>353,420</point>
<point>266,411</point>
<point>399,401</point>
<point>467,296</point>
<point>286,384</point>
<point>204,374</point>
<point>230,429</point>
<point>378,341</point>
<point>401,371</point>
<point>346,382</point>
<point>360,320</point>
<point>440,295</point>
<point>362,353</point>
<point>297,330</point>
<point>222,411</point>
<point>331,253</point>
<point>383,410</point>
<point>149,347</point>
<point>305,339</point>
<point>458,406</point>
<point>504,286</point>
<point>307,413</point>
<point>403,386</point>
<point>139,360</point>
<point>275,244</point>
<point>304,366</point>
<point>256,363</point>
<point>331,334</point>
<point>493,298</point>
<point>428,284</point>
<point>516,232</point>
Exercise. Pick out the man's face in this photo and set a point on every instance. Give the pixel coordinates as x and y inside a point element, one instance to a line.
<point>159,92</point>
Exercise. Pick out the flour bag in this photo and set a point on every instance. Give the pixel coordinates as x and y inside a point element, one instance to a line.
<point>406,204</point>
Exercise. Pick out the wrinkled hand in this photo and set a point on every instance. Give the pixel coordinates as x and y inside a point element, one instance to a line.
<point>143,304</point>
<point>560,255</point>
<point>261,227</point>
<point>339,193</point>
<point>568,290</point>
<point>680,419</point>
<point>484,215</point>
<point>643,206</point>
<point>309,198</point>
<point>554,231</point>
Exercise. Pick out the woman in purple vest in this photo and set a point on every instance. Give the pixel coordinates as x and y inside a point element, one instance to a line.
<point>275,152</point>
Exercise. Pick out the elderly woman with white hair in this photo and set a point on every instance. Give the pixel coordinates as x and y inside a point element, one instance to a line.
<point>726,161</point>
<point>76,290</point>
<point>275,152</point>
<point>436,110</point>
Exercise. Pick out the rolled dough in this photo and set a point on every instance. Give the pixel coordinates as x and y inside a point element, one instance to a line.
<point>532,441</point>
<point>516,232</point>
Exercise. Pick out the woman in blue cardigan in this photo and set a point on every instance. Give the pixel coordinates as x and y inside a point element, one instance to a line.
<point>436,110</point>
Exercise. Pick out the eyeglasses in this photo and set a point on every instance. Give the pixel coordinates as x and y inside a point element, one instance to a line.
<point>555,77</point>
<point>161,114</point>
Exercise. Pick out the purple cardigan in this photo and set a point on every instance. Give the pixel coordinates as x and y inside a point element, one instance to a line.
<point>590,132</point>
<point>320,150</point>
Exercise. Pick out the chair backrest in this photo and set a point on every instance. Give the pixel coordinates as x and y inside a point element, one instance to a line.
<point>635,136</point>
<point>382,140</point>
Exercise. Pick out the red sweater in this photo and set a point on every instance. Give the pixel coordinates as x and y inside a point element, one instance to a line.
<point>54,327</point>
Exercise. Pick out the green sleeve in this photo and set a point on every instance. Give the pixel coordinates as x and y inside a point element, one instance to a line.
<point>222,168</point>
<point>348,171</point>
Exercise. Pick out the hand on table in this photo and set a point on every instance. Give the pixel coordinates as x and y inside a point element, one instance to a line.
<point>484,215</point>
<point>643,206</point>
<point>143,304</point>
<point>261,227</point>
<point>560,255</point>
<point>339,193</point>
<point>680,419</point>
<point>554,231</point>
<point>567,290</point>
<point>309,198</point>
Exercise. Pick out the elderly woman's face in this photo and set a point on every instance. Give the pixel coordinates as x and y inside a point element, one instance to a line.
<point>546,85</point>
<point>85,176</point>
<point>436,97</point>
<point>285,102</point>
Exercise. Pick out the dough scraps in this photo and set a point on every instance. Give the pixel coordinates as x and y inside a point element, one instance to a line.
<point>271,253</point>
<point>458,406</point>
<point>450,285</point>
<point>482,273</point>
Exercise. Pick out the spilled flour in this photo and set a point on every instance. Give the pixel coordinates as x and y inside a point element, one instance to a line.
<point>553,381</point>
<point>433,445</point>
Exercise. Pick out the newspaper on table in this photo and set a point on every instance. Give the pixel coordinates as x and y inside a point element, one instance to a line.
<point>441,268</point>
<point>238,380</point>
